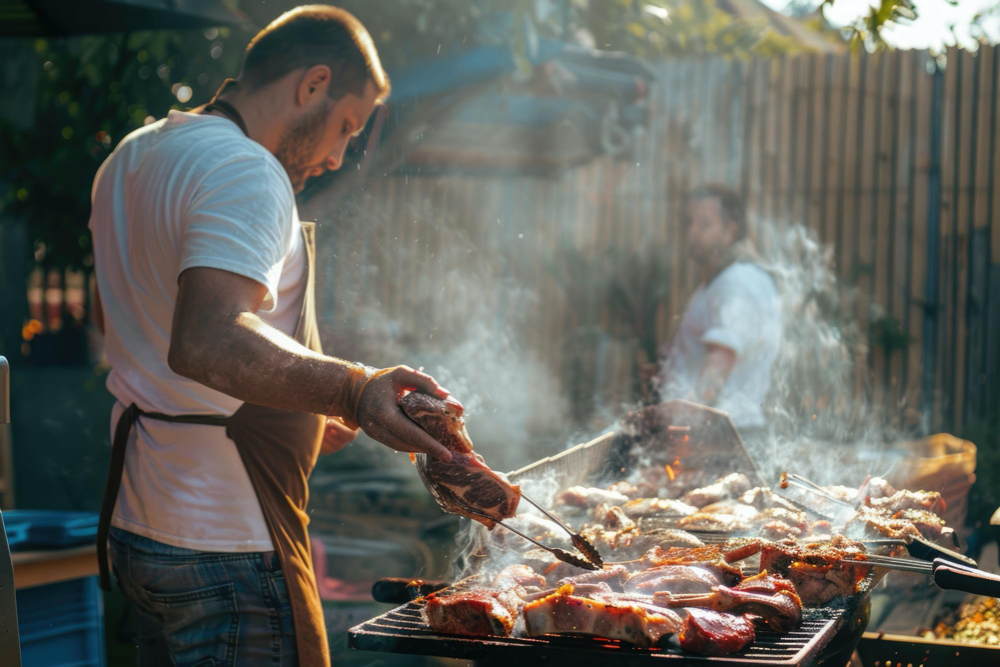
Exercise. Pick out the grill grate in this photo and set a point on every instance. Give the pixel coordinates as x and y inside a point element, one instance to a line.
<point>402,630</point>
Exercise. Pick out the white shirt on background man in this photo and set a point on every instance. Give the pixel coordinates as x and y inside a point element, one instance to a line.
<point>739,309</point>
<point>187,191</point>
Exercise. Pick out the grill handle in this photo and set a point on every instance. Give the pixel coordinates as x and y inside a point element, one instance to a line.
<point>953,576</point>
<point>398,590</point>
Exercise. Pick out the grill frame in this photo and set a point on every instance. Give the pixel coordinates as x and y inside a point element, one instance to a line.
<point>711,439</point>
<point>402,630</point>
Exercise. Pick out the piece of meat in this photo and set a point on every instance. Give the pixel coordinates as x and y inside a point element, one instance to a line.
<point>514,576</point>
<point>476,613</point>
<point>588,497</point>
<point>794,518</point>
<point>874,487</point>
<point>714,523</point>
<point>733,508</point>
<point>676,579</point>
<point>929,524</point>
<point>778,530</point>
<point>625,488</point>
<point>661,507</point>
<point>870,522</point>
<point>466,480</point>
<point>566,613</point>
<point>635,544</point>
<point>781,612</point>
<point>762,498</point>
<point>765,583</point>
<point>613,575</point>
<point>730,551</point>
<point>930,501</point>
<point>707,632</point>
<point>730,486</point>
<point>613,518</point>
<point>593,590</point>
<point>816,569</point>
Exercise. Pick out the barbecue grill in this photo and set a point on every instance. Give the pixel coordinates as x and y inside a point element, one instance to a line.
<point>706,442</point>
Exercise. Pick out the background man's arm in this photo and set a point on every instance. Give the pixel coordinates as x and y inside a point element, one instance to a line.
<point>718,365</point>
<point>218,340</point>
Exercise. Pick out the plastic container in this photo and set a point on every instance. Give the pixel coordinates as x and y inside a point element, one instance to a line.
<point>62,624</point>
<point>28,530</point>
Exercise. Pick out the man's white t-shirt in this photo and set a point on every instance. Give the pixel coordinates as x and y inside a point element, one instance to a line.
<point>188,191</point>
<point>741,310</point>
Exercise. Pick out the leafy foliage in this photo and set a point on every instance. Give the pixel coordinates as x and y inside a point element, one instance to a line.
<point>92,91</point>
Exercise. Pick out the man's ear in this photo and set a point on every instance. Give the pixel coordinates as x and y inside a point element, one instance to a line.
<point>313,84</point>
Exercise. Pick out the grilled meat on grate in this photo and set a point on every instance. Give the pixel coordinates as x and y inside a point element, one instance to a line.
<point>781,612</point>
<point>713,633</point>
<point>566,613</point>
<point>816,569</point>
<point>477,612</point>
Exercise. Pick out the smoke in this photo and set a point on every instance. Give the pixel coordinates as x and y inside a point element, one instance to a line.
<point>822,422</point>
<point>404,301</point>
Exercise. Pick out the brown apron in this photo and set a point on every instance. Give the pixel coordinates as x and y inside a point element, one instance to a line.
<point>279,449</point>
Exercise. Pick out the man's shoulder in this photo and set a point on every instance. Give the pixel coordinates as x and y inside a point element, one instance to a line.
<point>745,273</point>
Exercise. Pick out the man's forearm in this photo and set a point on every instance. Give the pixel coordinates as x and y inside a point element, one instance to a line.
<point>250,360</point>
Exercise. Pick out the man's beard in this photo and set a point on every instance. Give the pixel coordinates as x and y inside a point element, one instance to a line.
<point>299,145</point>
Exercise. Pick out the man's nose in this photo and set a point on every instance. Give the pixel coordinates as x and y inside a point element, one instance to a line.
<point>333,162</point>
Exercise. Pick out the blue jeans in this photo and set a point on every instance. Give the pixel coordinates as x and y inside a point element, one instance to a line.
<point>202,609</point>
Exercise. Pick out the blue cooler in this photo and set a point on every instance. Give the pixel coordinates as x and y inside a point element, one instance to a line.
<point>62,623</point>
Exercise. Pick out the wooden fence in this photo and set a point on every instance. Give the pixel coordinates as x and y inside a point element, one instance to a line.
<point>890,159</point>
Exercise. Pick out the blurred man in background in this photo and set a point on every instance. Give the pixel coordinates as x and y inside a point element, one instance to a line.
<point>730,336</point>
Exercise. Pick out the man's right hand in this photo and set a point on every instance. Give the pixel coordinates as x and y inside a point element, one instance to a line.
<point>380,416</point>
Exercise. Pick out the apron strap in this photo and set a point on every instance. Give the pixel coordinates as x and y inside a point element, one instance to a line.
<point>117,466</point>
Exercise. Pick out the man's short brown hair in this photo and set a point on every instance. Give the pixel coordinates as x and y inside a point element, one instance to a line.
<point>730,202</point>
<point>316,35</point>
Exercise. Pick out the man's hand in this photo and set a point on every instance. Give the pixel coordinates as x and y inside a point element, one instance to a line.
<point>381,418</point>
<point>718,365</point>
<point>336,436</point>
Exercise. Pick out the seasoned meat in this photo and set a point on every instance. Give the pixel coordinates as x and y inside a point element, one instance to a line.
<point>730,486</point>
<point>816,569</point>
<point>929,524</point>
<point>514,576</point>
<point>871,522</point>
<point>763,498</point>
<point>707,632</point>
<point>613,518</point>
<point>566,613</point>
<point>587,497</point>
<point>613,575</point>
<point>765,584</point>
<point>674,579</point>
<point>781,612</point>
<point>733,508</point>
<point>713,522</point>
<point>930,501</point>
<point>625,488</point>
<point>466,480</point>
<point>662,507</point>
<point>778,530</point>
<point>477,612</point>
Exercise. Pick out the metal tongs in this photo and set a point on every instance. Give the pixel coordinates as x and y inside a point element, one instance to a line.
<point>947,573</point>
<point>591,558</point>
<point>800,482</point>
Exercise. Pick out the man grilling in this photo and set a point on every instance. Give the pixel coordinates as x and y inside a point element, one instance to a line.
<point>730,335</point>
<point>225,399</point>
